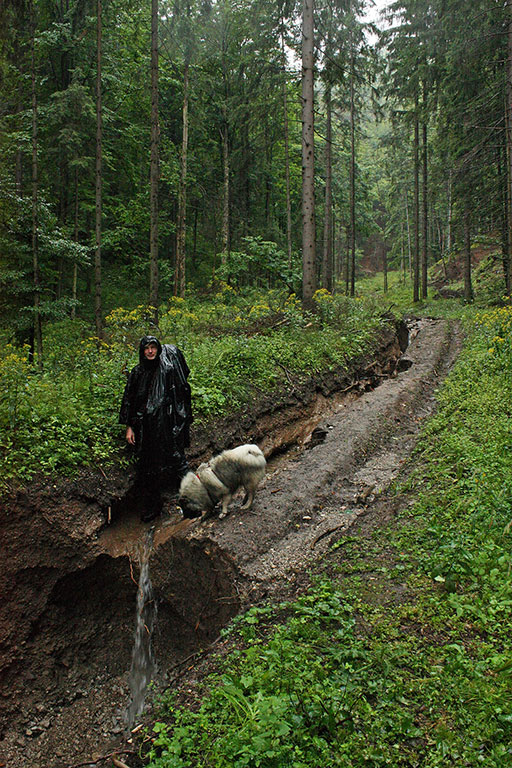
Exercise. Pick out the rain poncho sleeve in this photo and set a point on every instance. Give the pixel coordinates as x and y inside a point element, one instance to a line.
<point>135,397</point>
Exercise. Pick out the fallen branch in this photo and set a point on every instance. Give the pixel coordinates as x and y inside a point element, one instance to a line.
<point>196,656</point>
<point>287,373</point>
<point>119,763</point>
<point>326,533</point>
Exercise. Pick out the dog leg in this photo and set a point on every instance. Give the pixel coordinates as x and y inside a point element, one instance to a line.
<point>224,510</point>
<point>249,498</point>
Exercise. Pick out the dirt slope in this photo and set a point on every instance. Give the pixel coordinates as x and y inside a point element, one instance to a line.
<point>71,582</point>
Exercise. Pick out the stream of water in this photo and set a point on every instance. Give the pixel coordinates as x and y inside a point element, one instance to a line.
<point>143,663</point>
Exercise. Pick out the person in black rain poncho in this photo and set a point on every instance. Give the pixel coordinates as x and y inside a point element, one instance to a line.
<point>156,409</point>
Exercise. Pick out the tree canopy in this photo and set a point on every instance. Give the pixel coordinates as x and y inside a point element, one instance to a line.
<point>412,146</point>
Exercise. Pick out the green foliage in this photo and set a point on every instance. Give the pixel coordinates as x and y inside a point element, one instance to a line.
<point>260,262</point>
<point>62,418</point>
<point>475,477</point>
<point>236,346</point>
<point>232,54</point>
<point>309,696</point>
<point>398,299</point>
<point>489,278</point>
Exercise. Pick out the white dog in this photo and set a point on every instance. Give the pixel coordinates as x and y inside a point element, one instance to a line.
<point>220,478</point>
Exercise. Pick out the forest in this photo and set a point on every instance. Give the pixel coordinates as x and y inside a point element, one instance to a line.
<point>151,151</point>
<point>282,190</point>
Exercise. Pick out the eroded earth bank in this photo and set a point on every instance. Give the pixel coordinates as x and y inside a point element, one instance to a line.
<point>70,580</point>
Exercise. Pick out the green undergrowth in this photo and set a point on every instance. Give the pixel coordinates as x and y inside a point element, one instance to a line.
<point>400,653</point>
<point>398,298</point>
<point>238,346</point>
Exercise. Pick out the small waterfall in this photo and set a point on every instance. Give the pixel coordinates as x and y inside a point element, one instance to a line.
<point>143,664</point>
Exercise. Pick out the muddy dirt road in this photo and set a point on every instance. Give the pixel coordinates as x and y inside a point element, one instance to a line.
<point>71,582</point>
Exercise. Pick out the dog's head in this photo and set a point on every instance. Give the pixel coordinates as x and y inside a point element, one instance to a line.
<point>189,509</point>
<point>192,498</point>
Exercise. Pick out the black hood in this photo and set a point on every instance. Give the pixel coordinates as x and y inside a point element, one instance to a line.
<point>144,343</point>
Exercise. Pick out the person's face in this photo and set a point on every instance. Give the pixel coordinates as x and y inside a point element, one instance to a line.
<point>151,351</point>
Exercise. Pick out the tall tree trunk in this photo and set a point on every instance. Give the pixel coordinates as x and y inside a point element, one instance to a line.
<point>505,234</point>
<point>424,255</point>
<point>449,221</point>
<point>179,278</point>
<point>385,266</point>
<point>327,251</point>
<point>63,164</point>
<point>286,157</point>
<point>308,155</point>
<point>63,215</point>
<point>416,284</point>
<point>468,288</point>
<point>268,174</point>
<point>154,167</point>
<point>224,131</point>
<point>409,247</point>
<point>442,247</point>
<point>440,235</point>
<point>75,237</point>
<point>18,167</point>
<point>402,253</point>
<point>352,180</point>
<point>194,238</point>
<point>38,332</point>
<point>244,197</point>
<point>508,267</point>
<point>225,195</point>
<point>19,173</point>
<point>334,236</point>
<point>347,261</point>
<point>20,96</point>
<point>98,306</point>
<point>466,222</point>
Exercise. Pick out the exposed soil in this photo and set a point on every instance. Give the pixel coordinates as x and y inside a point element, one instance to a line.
<point>67,617</point>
